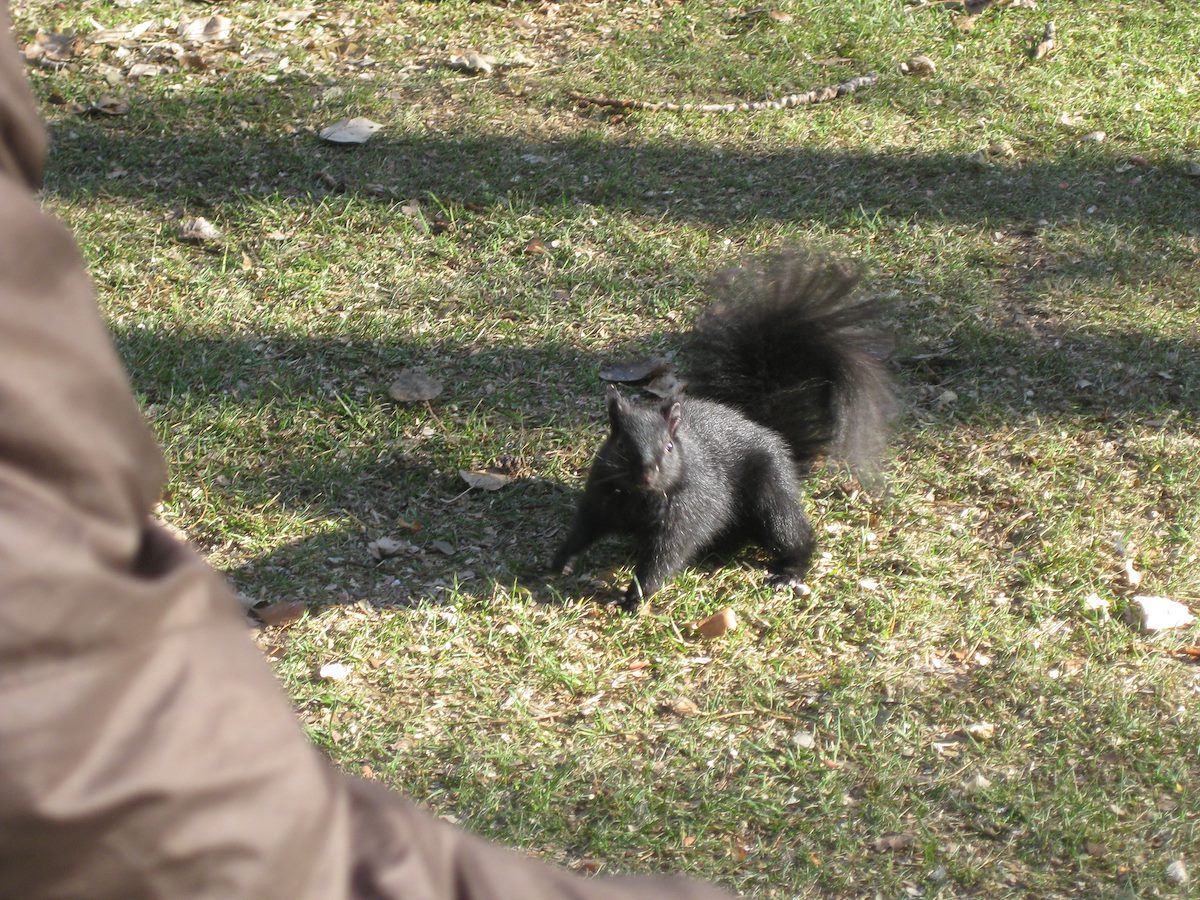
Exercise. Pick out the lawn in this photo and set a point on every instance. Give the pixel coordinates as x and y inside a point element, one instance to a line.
<point>960,706</point>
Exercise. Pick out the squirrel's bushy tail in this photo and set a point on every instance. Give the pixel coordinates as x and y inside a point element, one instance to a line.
<point>791,344</point>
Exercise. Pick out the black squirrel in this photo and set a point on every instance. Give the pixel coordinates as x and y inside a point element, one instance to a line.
<point>789,364</point>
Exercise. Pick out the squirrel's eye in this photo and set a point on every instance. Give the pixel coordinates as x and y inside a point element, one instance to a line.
<point>670,446</point>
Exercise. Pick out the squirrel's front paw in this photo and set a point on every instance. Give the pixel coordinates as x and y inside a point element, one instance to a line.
<point>793,584</point>
<point>632,600</point>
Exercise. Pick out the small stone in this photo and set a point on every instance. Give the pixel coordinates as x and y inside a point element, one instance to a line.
<point>1158,613</point>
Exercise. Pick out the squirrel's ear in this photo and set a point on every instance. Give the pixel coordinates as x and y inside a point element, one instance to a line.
<point>616,407</point>
<point>673,415</point>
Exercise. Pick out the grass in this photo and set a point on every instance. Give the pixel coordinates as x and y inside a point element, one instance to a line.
<point>1044,293</point>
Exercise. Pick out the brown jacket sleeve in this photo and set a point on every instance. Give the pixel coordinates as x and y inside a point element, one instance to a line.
<point>145,748</point>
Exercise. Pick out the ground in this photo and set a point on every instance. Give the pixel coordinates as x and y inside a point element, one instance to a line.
<point>959,706</point>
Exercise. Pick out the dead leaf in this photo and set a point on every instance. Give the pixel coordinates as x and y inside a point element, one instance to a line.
<point>198,230</point>
<point>413,211</point>
<point>204,30</point>
<point>1046,46</point>
<point>684,707</point>
<point>918,65</point>
<point>411,386</point>
<point>637,370</point>
<point>349,131</point>
<point>535,248</point>
<point>718,624</point>
<point>1001,149</point>
<point>976,783</point>
<point>334,672</point>
<point>387,547</point>
<point>739,849</point>
<point>892,842</point>
<point>145,70</point>
<point>294,16</point>
<point>110,106</point>
<point>472,62</point>
<point>281,615</point>
<point>1189,654</point>
<point>1177,872</point>
<point>334,184</point>
<point>668,384</point>
<point>106,106</point>
<point>192,61</point>
<point>443,547</point>
<point>981,731</point>
<point>486,480</point>
<point>1093,137</point>
<point>50,46</point>
<point>587,866</point>
<point>120,35</point>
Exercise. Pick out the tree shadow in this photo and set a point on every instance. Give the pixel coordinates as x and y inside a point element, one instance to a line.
<point>201,167</point>
<point>338,453</point>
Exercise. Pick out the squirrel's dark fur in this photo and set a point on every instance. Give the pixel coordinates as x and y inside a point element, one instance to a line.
<point>788,365</point>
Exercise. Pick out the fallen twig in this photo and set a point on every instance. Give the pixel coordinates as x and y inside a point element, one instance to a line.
<point>818,95</point>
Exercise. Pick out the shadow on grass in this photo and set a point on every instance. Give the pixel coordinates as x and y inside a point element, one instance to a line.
<point>309,442</point>
<point>203,167</point>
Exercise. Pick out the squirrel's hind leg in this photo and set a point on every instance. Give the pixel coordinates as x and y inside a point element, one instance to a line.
<point>784,531</point>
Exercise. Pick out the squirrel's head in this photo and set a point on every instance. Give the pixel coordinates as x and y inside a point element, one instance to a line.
<point>645,441</point>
